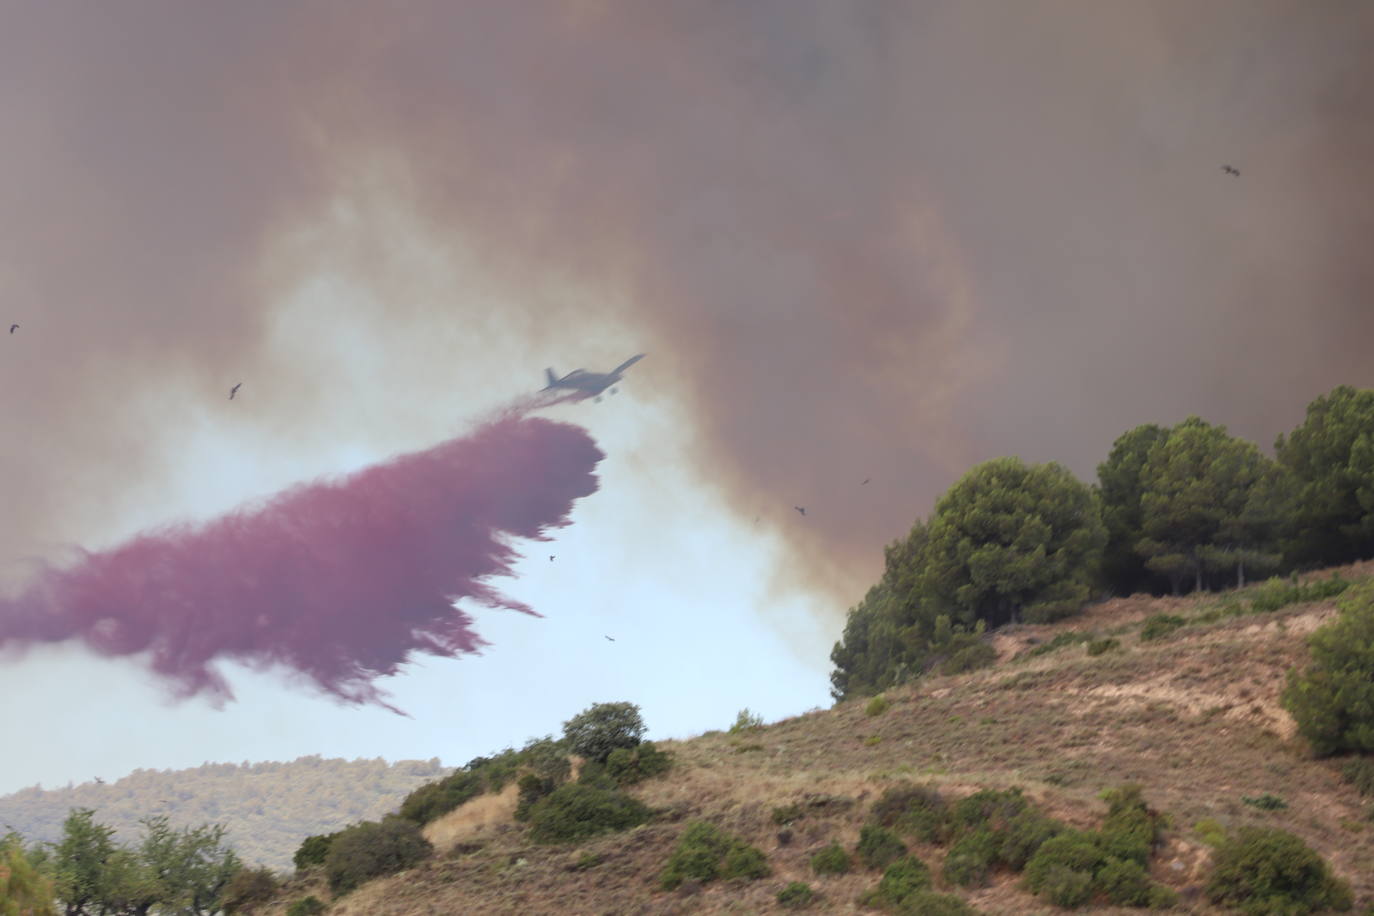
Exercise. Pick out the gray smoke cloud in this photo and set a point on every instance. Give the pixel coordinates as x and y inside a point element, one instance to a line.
<point>865,240</point>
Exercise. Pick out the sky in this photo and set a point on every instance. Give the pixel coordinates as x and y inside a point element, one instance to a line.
<point>873,240</point>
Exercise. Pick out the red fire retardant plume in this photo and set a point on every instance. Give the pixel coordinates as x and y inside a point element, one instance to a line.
<point>340,580</point>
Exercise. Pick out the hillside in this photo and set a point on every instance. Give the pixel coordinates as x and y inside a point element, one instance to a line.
<point>1193,717</point>
<point>268,808</point>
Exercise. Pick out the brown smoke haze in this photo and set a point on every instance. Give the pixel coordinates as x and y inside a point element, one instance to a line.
<point>858,240</point>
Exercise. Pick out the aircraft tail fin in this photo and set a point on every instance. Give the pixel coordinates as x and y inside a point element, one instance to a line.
<point>553,379</point>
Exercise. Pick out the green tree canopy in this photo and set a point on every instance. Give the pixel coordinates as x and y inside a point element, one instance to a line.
<point>1119,487</point>
<point>1011,539</point>
<point>603,727</point>
<point>1201,506</point>
<point>1331,457</point>
<point>23,890</point>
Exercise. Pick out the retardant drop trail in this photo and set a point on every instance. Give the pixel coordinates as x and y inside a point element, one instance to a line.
<point>340,580</point>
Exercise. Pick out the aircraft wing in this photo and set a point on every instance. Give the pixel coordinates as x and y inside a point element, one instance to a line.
<point>627,364</point>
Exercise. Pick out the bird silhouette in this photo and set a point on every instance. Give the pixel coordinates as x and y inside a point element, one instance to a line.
<point>612,640</point>
<point>866,480</point>
<point>235,390</point>
<point>800,509</point>
<point>12,327</point>
<point>550,558</point>
<point>1231,170</point>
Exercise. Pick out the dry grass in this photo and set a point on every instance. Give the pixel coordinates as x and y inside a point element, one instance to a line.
<point>1193,717</point>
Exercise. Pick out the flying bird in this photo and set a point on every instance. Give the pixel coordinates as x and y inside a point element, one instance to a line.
<point>866,480</point>
<point>800,509</point>
<point>1231,170</point>
<point>612,640</point>
<point>235,390</point>
<point>12,327</point>
<point>550,558</point>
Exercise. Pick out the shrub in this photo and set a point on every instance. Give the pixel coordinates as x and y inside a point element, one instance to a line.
<point>970,860</point>
<point>919,811</point>
<point>1276,594</point>
<point>1054,871</point>
<point>1359,772</point>
<point>876,706</point>
<point>1067,638</point>
<point>1125,882</point>
<point>746,721</point>
<point>1131,828</point>
<point>786,814</point>
<point>370,850</point>
<point>629,765</point>
<point>248,888</point>
<point>435,799</point>
<point>991,808</point>
<point>1265,802</point>
<point>1210,831</point>
<point>314,850</point>
<point>587,860</point>
<point>1025,834</point>
<point>1064,886</point>
<point>1263,870</point>
<point>879,847</point>
<point>902,879</point>
<point>575,811</point>
<point>306,906</point>
<point>600,729</point>
<point>533,787</point>
<point>1333,700</point>
<point>796,895</point>
<point>705,852</point>
<point>832,860</point>
<point>1158,626</point>
<point>1099,646</point>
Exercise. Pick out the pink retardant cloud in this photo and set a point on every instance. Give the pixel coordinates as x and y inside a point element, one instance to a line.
<point>340,580</point>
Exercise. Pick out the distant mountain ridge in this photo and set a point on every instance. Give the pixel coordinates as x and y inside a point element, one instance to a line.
<point>267,808</point>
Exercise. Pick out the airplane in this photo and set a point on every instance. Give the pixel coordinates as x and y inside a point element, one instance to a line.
<point>593,383</point>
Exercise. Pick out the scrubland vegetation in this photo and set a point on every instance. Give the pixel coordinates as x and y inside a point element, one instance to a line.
<point>1058,697</point>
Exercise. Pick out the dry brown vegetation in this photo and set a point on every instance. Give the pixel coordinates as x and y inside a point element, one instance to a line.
<point>1193,717</point>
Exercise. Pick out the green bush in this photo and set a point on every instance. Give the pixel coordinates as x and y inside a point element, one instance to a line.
<point>1210,831</point>
<point>1062,869</point>
<point>1263,871</point>
<point>746,721</point>
<point>1025,834</point>
<point>786,814</point>
<point>306,906</point>
<point>435,799</point>
<point>603,727</point>
<point>1067,638</point>
<point>901,880</point>
<point>991,808</point>
<point>970,657</point>
<point>1276,594</point>
<point>1158,626</point>
<point>575,811</point>
<point>832,860</point>
<point>1099,646</point>
<point>313,850</point>
<point>629,765</point>
<point>796,896</point>
<point>876,706</point>
<point>705,852</point>
<point>1265,802</point>
<point>1125,882</point>
<point>533,787</point>
<point>248,888</point>
<point>918,811</point>
<point>879,847</point>
<point>370,850</point>
<point>1359,772</point>
<point>1064,886</point>
<point>1131,828</point>
<point>970,860</point>
<point>1332,701</point>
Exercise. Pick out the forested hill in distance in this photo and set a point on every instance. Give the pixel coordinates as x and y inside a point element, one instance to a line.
<point>267,808</point>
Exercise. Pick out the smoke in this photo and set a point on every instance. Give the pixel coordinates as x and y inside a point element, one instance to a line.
<point>870,240</point>
<point>341,581</point>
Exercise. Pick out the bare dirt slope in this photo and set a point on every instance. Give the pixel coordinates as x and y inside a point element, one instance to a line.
<point>1193,717</point>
